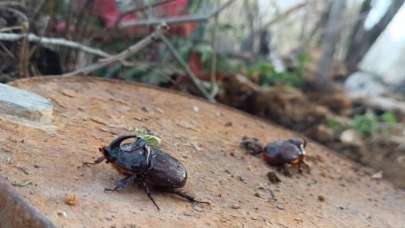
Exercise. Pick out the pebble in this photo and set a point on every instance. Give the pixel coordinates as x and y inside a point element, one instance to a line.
<point>235,206</point>
<point>62,214</point>
<point>280,207</point>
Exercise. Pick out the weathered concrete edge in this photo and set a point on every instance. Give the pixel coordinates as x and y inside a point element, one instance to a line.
<point>24,104</point>
<point>17,212</point>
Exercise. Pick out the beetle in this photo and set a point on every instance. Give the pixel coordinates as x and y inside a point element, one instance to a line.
<point>151,168</point>
<point>290,151</point>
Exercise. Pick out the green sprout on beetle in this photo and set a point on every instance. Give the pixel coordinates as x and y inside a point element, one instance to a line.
<point>151,139</point>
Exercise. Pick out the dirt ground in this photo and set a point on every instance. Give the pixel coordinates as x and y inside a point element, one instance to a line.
<point>45,165</point>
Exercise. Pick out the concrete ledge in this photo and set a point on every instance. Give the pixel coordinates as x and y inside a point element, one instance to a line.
<point>25,105</point>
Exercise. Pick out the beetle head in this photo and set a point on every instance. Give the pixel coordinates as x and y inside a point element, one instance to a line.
<point>111,152</point>
<point>300,143</point>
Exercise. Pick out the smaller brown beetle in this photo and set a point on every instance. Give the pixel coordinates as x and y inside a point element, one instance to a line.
<point>291,151</point>
<point>149,167</point>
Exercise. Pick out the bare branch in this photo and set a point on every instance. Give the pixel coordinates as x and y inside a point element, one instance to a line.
<point>175,20</point>
<point>214,58</point>
<point>133,11</point>
<point>54,41</point>
<point>285,14</point>
<point>24,51</point>
<point>119,57</point>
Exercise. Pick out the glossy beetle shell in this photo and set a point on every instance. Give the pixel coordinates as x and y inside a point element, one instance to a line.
<point>282,152</point>
<point>165,171</point>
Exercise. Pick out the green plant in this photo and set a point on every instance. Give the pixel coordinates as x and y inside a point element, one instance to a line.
<point>389,118</point>
<point>365,124</point>
<point>334,124</point>
<point>268,76</point>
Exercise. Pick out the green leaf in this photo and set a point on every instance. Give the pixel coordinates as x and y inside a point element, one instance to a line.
<point>152,140</point>
<point>366,124</point>
<point>389,118</point>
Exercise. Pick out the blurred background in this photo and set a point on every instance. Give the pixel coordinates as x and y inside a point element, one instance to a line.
<point>333,71</point>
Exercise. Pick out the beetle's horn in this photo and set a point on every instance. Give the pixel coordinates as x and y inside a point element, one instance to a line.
<point>117,142</point>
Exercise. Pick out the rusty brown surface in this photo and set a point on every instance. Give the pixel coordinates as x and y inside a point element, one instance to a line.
<point>15,212</point>
<point>205,137</point>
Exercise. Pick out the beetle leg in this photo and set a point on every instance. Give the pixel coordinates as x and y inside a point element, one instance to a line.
<point>97,161</point>
<point>147,191</point>
<point>123,183</point>
<point>187,196</point>
<point>284,169</point>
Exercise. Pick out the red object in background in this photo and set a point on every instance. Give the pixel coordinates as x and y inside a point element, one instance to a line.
<point>196,65</point>
<point>109,13</point>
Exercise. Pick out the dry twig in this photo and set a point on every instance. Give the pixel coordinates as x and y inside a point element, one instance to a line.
<point>54,41</point>
<point>119,57</point>
<point>189,72</point>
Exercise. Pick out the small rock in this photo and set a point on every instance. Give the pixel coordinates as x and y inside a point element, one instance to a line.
<point>273,178</point>
<point>261,187</point>
<point>321,198</point>
<point>159,110</point>
<point>241,179</point>
<point>71,199</point>
<point>258,195</point>
<point>377,175</point>
<point>196,147</point>
<point>62,214</point>
<point>280,207</point>
<point>228,124</point>
<point>145,109</point>
<point>235,206</point>
<point>196,109</point>
<point>187,214</point>
<point>299,220</point>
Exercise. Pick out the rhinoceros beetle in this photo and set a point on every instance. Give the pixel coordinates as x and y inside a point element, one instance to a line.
<point>291,151</point>
<point>151,168</point>
<point>279,153</point>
